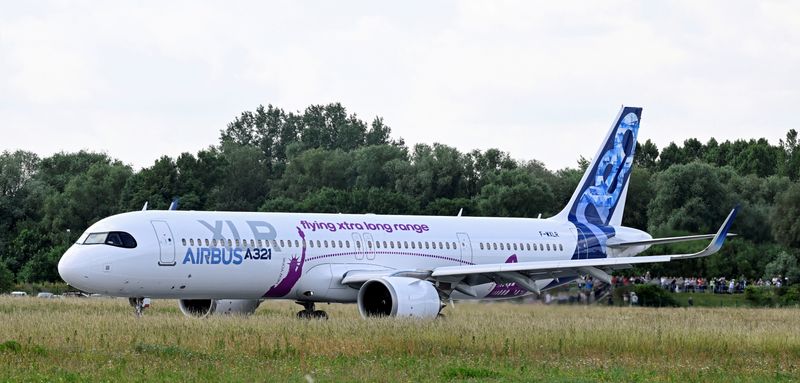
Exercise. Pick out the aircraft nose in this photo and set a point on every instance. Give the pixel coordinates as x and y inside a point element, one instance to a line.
<point>68,268</point>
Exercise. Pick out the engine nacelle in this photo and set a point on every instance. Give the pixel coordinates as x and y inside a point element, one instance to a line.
<point>399,297</point>
<point>202,308</point>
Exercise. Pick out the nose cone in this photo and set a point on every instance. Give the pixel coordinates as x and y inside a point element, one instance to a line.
<point>68,267</point>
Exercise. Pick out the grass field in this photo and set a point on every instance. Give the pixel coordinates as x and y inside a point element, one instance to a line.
<point>100,340</point>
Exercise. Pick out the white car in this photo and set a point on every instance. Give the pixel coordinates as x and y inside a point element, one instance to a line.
<point>45,295</point>
<point>19,294</point>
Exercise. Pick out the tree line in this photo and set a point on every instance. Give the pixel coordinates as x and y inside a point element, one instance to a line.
<point>325,159</point>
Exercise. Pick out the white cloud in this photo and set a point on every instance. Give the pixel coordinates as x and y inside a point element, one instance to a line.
<point>538,79</point>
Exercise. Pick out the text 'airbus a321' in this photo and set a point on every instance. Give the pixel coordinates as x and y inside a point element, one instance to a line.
<point>389,265</point>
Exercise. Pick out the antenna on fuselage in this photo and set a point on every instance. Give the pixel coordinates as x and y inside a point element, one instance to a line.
<point>460,211</point>
<point>144,208</point>
<point>540,216</point>
<point>174,204</point>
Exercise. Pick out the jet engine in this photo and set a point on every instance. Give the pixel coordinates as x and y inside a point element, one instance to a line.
<point>399,297</point>
<point>202,308</point>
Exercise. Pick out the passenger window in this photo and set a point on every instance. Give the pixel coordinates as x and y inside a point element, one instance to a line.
<point>183,241</point>
<point>206,242</point>
<point>515,247</point>
<point>325,242</point>
<point>441,246</point>
<point>548,247</point>
<point>311,243</point>
<point>237,242</point>
<point>412,245</point>
<point>561,247</point>
<point>358,244</point>
<point>384,245</point>
<point>369,244</point>
<point>296,243</point>
<point>347,244</point>
<point>501,246</point>
<point>528,246</point>
<point>419,245</point>
<point>405,244</point>
<point>230,243</point>
<point>260,243</point>
<point>333,244</point>
<point>481,245</point>
<point>454,246</point>
<point>494,245</point>
<point>281,242</point>
<point>191,241</point>
<point>319,244</point>
<point>447,244</point>
<point>377,244</point>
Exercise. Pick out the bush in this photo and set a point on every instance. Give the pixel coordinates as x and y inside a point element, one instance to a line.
<point>773,296</point>
<point>649,295</point>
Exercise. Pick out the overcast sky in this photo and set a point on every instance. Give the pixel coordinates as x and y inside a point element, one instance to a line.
<point>541,80</point>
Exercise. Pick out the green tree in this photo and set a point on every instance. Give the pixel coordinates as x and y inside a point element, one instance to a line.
<point>516,193</point>
<point>646,155</point>
<point>689,197</point>
<point>786,217</point>
<point>784,265</point>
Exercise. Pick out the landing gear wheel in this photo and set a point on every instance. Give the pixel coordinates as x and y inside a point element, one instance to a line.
<point>139,304</point>
<point>319,314</point>
<point>309,312</point>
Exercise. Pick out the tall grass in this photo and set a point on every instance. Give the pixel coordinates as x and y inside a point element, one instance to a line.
<point>100,339</point>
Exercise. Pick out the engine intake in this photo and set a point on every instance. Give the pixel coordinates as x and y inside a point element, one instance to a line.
<point>398,297</point>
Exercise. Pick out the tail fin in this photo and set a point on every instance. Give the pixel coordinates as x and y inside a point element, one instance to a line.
<point>599,199</point>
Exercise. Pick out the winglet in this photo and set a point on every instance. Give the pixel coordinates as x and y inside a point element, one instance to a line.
<point>718,240</point>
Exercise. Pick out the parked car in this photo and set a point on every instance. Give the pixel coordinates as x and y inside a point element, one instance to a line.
<point>45,295</point>
<point>19,294</point>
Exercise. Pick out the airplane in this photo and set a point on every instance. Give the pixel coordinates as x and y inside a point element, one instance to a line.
<point>389,265</point>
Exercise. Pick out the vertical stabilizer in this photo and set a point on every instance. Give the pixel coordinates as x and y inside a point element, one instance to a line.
<point>600,197</point>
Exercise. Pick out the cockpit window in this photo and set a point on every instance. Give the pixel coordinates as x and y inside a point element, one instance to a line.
<point>95,238</point>
<point>113,238</point>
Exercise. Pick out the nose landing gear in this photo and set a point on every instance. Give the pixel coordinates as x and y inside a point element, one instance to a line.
<point>309,312</point>
<point>139,304</point>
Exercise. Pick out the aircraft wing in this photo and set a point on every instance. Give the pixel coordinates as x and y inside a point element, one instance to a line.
<point>524,273</point>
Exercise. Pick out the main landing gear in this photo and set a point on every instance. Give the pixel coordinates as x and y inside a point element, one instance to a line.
<point>309,312</point>
<point>139,304</point>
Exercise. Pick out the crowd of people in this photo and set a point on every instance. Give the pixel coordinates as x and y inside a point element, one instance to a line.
<point>717,285</point>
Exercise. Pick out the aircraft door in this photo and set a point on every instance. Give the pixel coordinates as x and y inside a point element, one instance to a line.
<point>369,247</point>
<point>465,245</point>
<point>358,246</point>
<point>166,244</point>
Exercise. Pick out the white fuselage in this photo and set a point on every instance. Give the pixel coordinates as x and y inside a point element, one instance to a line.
<point>239,255</point>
